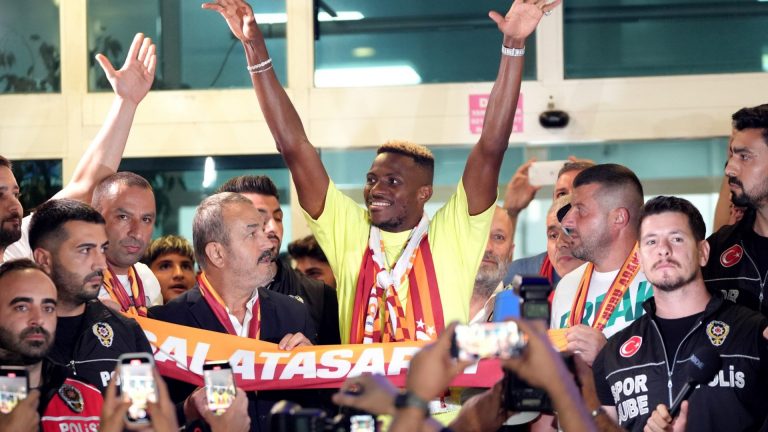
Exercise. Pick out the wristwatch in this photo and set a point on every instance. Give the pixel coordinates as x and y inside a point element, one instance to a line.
<point>410,400</point>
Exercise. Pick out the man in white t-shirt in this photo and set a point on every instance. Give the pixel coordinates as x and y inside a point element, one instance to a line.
<point>604,295</point>
<point>127,202</point>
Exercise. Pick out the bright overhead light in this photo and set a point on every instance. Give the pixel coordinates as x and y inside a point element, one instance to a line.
<point>370,76</point>
<point>281,18</point>
<point>209,172</point>
<point>363,52</point>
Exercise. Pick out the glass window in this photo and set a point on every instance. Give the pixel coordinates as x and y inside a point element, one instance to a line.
<point>616,38</point>
<point>402,42</point>
<point>38,181</point>
<point>196,50</point>
<point>180,183</point>
<point>29,46</point>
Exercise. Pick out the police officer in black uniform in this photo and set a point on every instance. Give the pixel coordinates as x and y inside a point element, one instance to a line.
<point>68,240</point>
<point>643,368</point>
<point>739,264</point>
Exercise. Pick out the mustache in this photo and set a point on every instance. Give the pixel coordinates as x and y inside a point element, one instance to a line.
<point>35,330</point>
<point>265,257</point>
<point>735,181</point>
<point>98,273</point>
<point>131,242</point>
<point>667,261</point>
<point>14,215</point>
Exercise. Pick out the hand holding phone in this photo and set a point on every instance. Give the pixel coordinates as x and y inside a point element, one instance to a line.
<point>545,172</point>
<point>488,340</point>
<point>220,389</point>
<point>137,380</point>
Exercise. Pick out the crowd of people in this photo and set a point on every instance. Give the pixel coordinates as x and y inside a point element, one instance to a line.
<point>639,291</point>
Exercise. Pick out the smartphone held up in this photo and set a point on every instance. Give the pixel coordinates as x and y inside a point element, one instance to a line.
<point>137,381</point>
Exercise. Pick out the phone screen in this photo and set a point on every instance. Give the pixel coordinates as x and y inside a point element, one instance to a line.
<point>498,339</point>
<point>362,423</point>
<point>219,386</point>
<point>13,387</point>
<point>138,382</point>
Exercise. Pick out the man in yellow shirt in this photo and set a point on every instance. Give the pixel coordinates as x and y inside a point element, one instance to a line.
<point>399,275</point>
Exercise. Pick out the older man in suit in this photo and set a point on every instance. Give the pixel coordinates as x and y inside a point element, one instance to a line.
<point>235,255</point>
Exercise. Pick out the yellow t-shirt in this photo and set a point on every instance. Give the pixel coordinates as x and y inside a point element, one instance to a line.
<point>456,239</point>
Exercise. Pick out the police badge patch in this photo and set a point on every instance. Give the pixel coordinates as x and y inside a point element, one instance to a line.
<point>72,397</point>
<point>717,332</point>
<point>104,332</point>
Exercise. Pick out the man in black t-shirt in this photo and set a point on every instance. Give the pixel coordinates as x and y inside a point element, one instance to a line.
<point>642,369</point>
<point>739,264</point>
<point>68,240</point>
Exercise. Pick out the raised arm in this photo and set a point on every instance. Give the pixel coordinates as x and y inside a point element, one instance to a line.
<point>481,174</point>
<point>305,165</point>
<point>130,84</point>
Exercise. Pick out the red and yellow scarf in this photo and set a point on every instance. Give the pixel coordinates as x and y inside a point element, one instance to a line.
<point>619,286</point>
<point>220,309</point>
<point>117,292</point>
<point>378,314</point>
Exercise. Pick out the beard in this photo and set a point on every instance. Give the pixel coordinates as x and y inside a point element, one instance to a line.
<point>11,235</point>
<point>587,249</point>
<point>751,199</point>
<point>488,277</point>
<point>71,287</point>
<point>672,285</point>
<point>25,353</point>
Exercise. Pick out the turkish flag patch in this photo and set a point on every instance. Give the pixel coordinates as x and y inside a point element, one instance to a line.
<point>631,346</point>
<point>731,256</point>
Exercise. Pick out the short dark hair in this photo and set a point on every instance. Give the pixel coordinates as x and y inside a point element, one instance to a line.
<point>615,178</point>
<point>419,153</point>
<point>46,227</point>
<point>124,178</point>
<point>168,244</point>
<point>4,162</point>
<point>574,166</point>
<point>256,184</point>
<point>17,265</point>
<point>306,247</point>
<point>752,118</point>
<point>664,204</point>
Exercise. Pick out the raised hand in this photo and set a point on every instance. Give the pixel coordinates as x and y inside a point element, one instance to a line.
<point>520,192</point>
<point>239,17</point>
<point>133,81</point>
<point>523,17</point>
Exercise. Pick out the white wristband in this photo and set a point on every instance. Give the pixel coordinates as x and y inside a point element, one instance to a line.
<point>513,52</point>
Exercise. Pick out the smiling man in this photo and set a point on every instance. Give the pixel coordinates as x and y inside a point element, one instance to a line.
<point>399,275</point>
<point>738,261</point>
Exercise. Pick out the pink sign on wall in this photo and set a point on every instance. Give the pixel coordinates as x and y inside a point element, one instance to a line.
<point>477,104</point>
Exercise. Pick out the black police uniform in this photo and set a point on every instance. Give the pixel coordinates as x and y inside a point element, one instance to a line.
<point>90,344</point>
<point>634,374</point>
<point>738,264</point>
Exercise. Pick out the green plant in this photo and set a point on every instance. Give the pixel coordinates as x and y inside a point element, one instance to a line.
<point>29,82</point>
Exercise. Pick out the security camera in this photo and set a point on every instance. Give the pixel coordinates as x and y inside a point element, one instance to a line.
<point>553,118</point>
